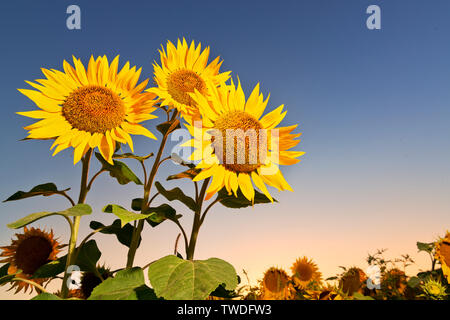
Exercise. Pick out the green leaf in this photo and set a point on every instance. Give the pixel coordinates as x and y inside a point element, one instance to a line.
<point>359,296</point>
<point>4,270</point>
<point>123,234</point>
<point>128,284</point>
<point>162,213</point>
<point>119,170</point>
<point>123,214</point>
<point>88,256</point>
<point>190,174</point>
<point>176,158</point>
<point>77,210</point>
<point>136,204</point>
<point>413,282</point>
<point>230,201</point>
<point>132,156</point>
<point>427,247</point>
<point>46,296</point>
<point>46,189</point>
<point>177,194</point>
<point>168,126</point>
<point>176,279</point>
<point>51,269</point>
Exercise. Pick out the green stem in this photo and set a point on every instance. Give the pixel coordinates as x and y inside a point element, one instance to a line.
<point>145,203</point>
<point>197,222</point>
<point>76,221</point>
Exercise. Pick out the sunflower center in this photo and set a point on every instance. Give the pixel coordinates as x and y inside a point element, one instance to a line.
<point>237,141</point>
<point>182,82</point>
<point>93,109</point>
<point>32,253</point>
<point>304,272</point>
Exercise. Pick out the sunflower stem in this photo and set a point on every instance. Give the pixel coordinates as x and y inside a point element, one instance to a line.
<point>197,222</point>
<point>145,203</point>
<point>76,221</point>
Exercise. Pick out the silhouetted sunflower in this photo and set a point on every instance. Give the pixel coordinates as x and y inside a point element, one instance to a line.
<point>30,251</point>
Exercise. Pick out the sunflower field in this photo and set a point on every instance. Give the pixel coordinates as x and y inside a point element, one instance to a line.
<point>237,149</point>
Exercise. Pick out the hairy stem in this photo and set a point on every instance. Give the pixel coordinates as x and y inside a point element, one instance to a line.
<point>197,222</point>
<point>76,221</point>
<point>145,203</point>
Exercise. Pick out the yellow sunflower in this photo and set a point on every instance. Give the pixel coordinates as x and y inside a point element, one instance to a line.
<point>352,281</point>
<point>30,251</point>
<point>275,285</point>
<point>256,153</point>
<point>90,108</point>
<point>183,69</point>
<point>443,254</point>
<point>305,272</point>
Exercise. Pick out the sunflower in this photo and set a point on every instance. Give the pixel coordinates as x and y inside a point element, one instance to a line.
<point>352,281</point>
<point>30,251</point>
<point>275,285</point>
<point>258,149</point>
<point>84,109</point>
<point>184,69</point>
<point>394,282</point>
<point>305,272</point>
<point>90,280</point>
<point>443,254</point>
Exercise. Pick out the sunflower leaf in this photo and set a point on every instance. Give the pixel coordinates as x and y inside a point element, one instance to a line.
<point>118,170</point>
<point>427,247</point>
<point>230,201</point>
<point>162,213</point>
<point>177,194</point>
<point>169,126</point>
<point>4,270</point>
<point>190,174</point>
<point>124,215</point>
<point>123,234</point>
<point>128,284</point>
<point>51,269</point>
<point>46,296</point>
<point>132,156</point>
<point>46,189</point>
<point>77,210</point>
<point>88,256</point>
<point>176,279</point>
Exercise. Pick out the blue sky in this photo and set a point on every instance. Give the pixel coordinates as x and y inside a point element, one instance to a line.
<point>373,106</point>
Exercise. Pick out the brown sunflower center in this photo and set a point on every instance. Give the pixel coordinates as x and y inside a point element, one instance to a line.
<point>182,82</point>
<point>275,281</point>
<point>32,253</point>
<point>93,109</point>
<point>304,272</point>
<point>237,141</point>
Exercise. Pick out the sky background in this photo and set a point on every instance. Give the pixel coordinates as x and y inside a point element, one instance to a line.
<point>373,106</point>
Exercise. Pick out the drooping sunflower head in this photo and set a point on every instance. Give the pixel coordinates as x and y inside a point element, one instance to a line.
<point>183,70</point>
<point>275,285</point>
<point>84,109</point>
<point>237,145</point>
<point>26,254</point>
<point>90,280</point>
<point>305,272</point>
<point>352,280</point>
<point>443,254</point>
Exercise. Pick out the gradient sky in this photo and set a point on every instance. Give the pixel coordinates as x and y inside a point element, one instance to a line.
<point>373,107</point>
